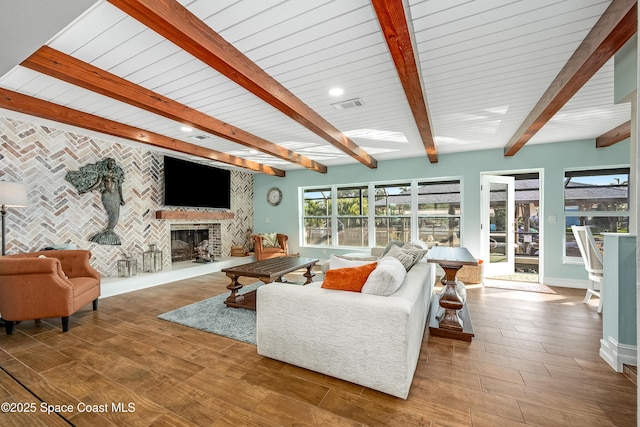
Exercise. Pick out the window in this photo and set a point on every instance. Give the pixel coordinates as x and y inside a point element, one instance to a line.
<point>439,212</point>
<point>353,221</point>
<point>425,210</point>
<point>598,198</point>
<point>317,216</point>
<point>392,213</point>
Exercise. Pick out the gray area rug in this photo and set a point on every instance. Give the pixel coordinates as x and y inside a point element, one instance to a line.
<point>211,315</point>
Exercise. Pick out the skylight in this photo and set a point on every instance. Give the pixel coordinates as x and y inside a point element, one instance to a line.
<point>378,135</point>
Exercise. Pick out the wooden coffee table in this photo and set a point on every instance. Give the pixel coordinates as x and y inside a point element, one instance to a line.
<point>267,271</point>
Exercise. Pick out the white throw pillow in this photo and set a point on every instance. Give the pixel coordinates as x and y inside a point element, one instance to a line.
<point>335,261</point>
<point>386,278</point>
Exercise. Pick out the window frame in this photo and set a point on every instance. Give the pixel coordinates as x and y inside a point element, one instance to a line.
<point>342,216</point>
<point>389,217</point>
<point>371,216</point>
<point>303,217</point>
<point>575,214</point>
<point>448,216</point>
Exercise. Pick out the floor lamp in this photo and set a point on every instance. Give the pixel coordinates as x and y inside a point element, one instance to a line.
<point>12,195</point>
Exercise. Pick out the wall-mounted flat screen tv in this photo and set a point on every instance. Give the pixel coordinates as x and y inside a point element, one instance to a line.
<point>195,185</point>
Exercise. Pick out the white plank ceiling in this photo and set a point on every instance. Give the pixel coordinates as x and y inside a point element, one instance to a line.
<point>484,65</point>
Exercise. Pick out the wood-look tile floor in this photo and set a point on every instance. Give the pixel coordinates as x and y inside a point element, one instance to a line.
<point>534,361</point>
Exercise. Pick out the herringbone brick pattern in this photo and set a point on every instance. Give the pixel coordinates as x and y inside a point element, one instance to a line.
<point>242,206</point>
<point>40,157</point>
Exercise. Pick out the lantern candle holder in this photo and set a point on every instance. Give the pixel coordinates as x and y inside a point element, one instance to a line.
<point>127,267</point>
<point>152,259</point>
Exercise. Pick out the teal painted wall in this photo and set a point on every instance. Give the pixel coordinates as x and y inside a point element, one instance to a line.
<point>619,289</point>
<point>627,304</point>
<point>551,159</point>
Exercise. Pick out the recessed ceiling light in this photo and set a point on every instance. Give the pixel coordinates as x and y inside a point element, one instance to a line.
<point>186,129</point>
<point>336,91</point>
<point>253,151</point>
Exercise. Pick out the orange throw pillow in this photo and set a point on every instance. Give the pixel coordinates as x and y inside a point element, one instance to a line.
<point>349,278</point>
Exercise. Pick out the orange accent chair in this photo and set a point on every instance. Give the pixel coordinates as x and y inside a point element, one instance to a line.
<point>58,285</point>
<point>266,252</point>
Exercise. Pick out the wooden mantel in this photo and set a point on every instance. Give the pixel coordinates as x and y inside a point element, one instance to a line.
<point>193,215</point>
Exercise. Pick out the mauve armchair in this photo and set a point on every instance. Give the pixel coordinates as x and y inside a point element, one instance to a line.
<point>55,285</point>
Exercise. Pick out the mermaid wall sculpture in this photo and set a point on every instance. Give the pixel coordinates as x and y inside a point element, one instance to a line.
<point>106,177</point>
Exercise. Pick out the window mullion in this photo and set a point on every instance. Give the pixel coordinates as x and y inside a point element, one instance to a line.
<point>372,214</point>
<point>414,211</point>
<point>334,215</point>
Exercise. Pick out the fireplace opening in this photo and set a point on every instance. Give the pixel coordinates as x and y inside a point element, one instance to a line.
<point>195,242</point>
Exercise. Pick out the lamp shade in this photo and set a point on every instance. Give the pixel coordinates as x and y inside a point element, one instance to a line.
<point>13,194</point>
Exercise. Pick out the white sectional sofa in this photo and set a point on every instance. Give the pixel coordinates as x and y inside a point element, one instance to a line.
<point>370,340</point>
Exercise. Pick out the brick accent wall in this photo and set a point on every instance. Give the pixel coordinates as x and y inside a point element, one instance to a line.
<point>40,157</point>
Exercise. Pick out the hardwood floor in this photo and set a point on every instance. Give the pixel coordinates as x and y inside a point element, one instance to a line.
<point>534,361</point>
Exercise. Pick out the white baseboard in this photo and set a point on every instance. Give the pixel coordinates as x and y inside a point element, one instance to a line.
<point>111,286</point>
<point>616,354</point>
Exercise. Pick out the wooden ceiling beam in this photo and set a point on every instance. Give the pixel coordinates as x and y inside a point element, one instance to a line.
<point>393,21</point>
<point>614,28</point>
<point>57,64</point>
<point>177,24</point>
<point>617,134</point>
<point>47,110</point>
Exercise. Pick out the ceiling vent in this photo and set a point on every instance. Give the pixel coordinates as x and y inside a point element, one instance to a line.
<point>201,137</point>
<point>351,103</point>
